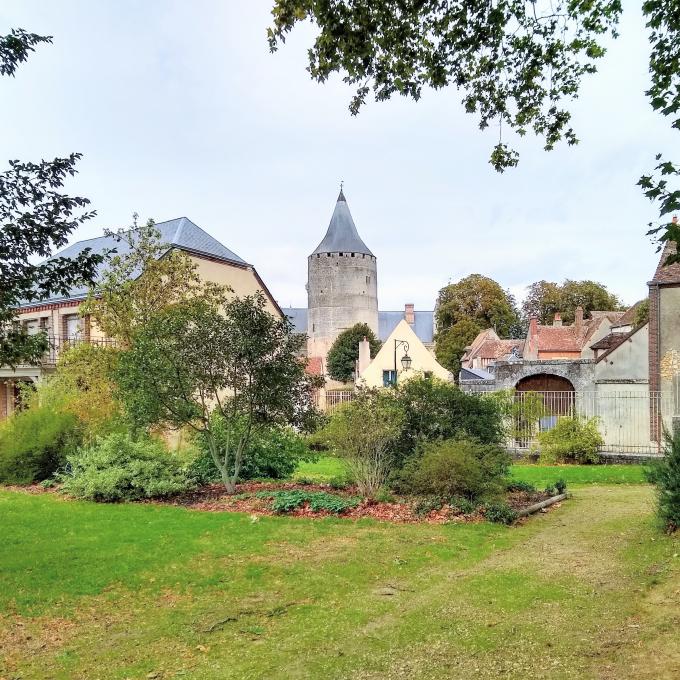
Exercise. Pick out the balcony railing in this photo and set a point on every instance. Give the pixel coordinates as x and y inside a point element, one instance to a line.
<point>61,343</point>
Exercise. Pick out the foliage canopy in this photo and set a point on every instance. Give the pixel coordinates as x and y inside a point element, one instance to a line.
<point>342,356</point>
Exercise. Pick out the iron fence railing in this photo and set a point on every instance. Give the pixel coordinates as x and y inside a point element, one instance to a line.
<point>629,421</point>
<point>60,343</point>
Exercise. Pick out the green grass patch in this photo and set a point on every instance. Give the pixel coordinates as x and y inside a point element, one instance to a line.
<point>140,590</point>
<point>324,469</point>
<point>578,475</point>
<point>540,476</point>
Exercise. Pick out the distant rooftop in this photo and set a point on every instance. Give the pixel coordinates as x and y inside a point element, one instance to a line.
<point>179,233</point>
<point>423,325</point>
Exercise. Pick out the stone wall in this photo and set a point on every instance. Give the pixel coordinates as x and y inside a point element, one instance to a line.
<point>342,290</point>
<point>580,372</point>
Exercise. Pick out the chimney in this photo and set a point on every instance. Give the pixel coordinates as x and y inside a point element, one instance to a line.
<point>532,339</point>
<point>558,320</point>
<point>364,357</point>
<point>409,314</point>
<point>578,319</point>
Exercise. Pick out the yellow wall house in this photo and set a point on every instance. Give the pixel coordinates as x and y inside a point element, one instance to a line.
<point>380,372</point>
<point>60,319</point>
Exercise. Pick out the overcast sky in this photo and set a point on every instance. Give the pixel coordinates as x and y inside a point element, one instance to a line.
<point>180,110</point>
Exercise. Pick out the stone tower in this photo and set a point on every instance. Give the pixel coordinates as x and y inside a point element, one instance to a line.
<point>342,286</point>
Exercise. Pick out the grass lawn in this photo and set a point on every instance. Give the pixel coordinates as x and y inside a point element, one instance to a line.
<point>143,591</point>
<point>538,475</point>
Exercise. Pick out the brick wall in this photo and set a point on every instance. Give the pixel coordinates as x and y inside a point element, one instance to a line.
<point>654,346</point>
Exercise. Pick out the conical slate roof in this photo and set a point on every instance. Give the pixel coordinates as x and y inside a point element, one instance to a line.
<point>342,235</point>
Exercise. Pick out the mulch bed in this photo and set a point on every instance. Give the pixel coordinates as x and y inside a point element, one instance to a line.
<point>214,498</point>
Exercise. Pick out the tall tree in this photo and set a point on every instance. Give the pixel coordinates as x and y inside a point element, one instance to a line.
<point>479,299</point>
<point>546,298</point>
<point>222,371</point>
<point>518,64</point>
<point>450,345</point>
<point>467,307</point>
<point>342,356</point>
<point>35,219</point>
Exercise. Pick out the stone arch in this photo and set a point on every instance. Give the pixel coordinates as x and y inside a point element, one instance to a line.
<point>544,382</point>
<point>557,392</point>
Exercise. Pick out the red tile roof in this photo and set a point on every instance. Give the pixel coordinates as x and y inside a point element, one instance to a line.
<point>314,366</point>
<point>559,339</point>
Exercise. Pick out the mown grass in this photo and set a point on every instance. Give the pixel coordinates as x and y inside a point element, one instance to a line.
<point>328,467</point>
<point>134,591</point>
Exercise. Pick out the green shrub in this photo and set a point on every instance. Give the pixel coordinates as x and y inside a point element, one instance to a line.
<point>456,467</point>
<point>560,486</point>
<point>500,513</point>
<point>34,444</point>
<point>463,505</point>
<point>665,475</point>
<point>424,506</point>
<point>520,485</point>
<point>572,440</point>
<point>273,453</point>
<point>287,501</point>
<point>120,468</point>
<point>436,410</point>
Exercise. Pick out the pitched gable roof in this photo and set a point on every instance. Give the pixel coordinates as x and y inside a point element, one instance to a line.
<point>179,233</point>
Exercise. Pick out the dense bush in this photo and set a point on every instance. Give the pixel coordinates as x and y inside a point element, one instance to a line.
<point>120,468</point>
<point>520,485</point>
<point>665,475</point>
<point>287,501</point>
<point>436,410</point>
<point>500,513</point>
<point>34,444</point>
<point>272,453</point>
<point>572,440</point>
<point>456,467</point>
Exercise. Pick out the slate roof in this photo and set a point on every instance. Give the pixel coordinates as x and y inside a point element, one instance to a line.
<point>423,325</point>
<point>670,273</point>
<point>609,341</point>
<point>387,322</point>
<point>342,235</point>
<point>179,233</point>
<point>475,374</point>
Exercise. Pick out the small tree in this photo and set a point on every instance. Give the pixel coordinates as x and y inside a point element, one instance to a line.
<point>361,433</point>
<point>450,344</point>
<point>343,355</point>
<point>665,475</point>
<point>143,279</point>
<point>232,367</point>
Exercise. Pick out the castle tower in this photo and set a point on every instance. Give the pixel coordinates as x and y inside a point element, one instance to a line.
<point>342,286</point>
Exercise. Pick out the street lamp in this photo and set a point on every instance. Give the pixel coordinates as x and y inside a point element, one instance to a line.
<point>405,360</point>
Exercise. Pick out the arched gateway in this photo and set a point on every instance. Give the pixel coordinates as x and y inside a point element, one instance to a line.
<point>557,392</point>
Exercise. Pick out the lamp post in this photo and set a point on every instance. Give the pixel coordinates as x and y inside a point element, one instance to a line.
<point>405,360</point>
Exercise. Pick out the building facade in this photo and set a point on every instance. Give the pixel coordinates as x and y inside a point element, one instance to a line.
<point>59,317</point>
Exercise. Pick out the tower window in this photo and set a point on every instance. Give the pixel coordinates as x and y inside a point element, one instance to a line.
<point>328,254</point>
<point>352,254</point>
<point>368,279</point>
<point>313,327</point>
